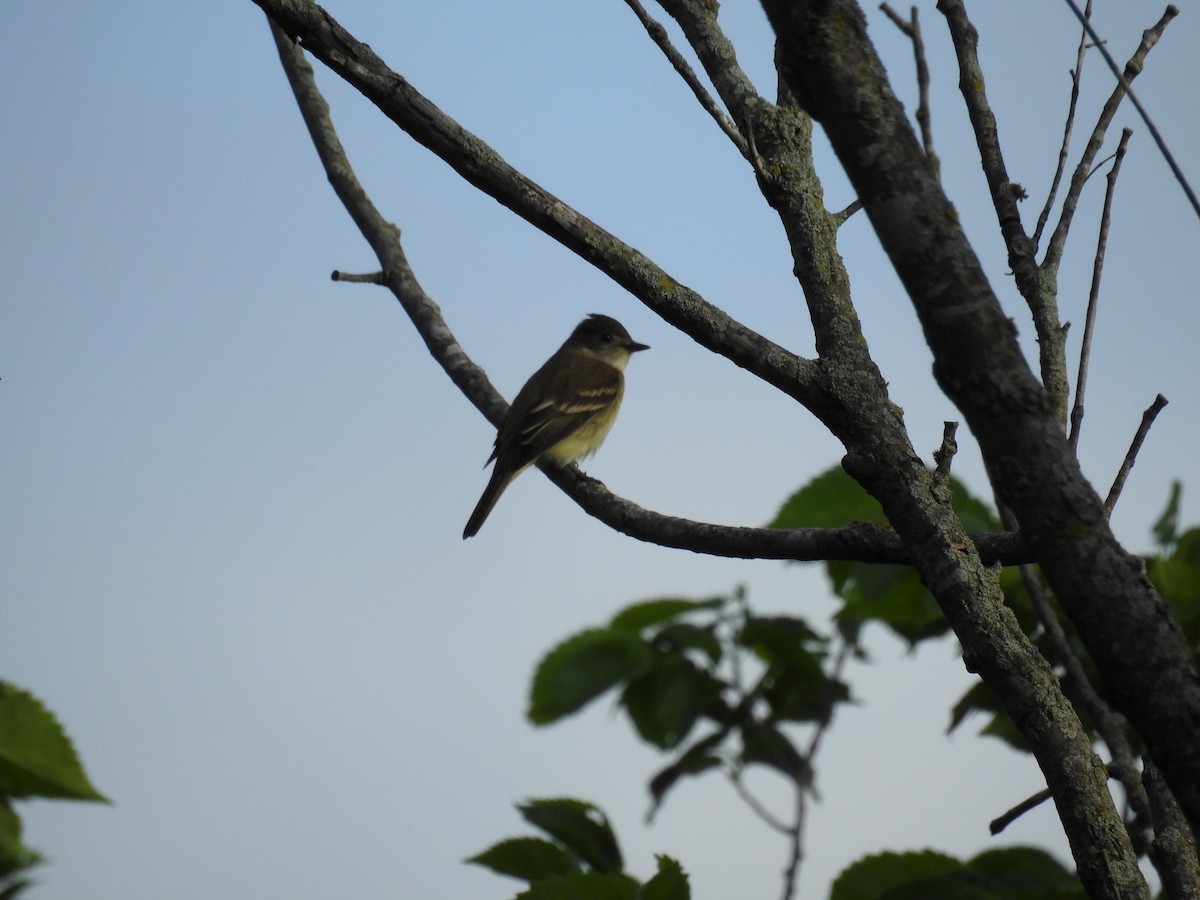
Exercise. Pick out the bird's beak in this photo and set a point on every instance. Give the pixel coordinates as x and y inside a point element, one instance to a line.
<point>634,346</point>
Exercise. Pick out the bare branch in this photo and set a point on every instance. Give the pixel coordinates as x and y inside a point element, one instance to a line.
<point>912,30</point>
<point>369,278</point>
<point>872,542</point>
<point>1068,126</point>
<point>999,823</point>
<point>658,34</point>
<point>1133,68</point>
<point>1005,194</point>
<point>1085,348</point>
<point>842,215</point>
<point>1124,80</point>
<point>1118,484</point>
<point>481,166</point>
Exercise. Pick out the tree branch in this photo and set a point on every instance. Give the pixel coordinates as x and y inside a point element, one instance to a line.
<point>1085,347</point>
<point>860,542</point>
<point>1005,194</point>
<point>482,166</point>
<point>658,34</point>
<point>1118,484</point>
<point>1171,12</point>
<point>912,30</point>
<point>832,69</point>
<point>1068,125</point>
<point>1133,68</point>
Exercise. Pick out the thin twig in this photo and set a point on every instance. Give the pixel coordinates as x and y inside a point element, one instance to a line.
<point>369,278</point>
<point>658,34</point>
<point>999,823</point>
<point>842,215</point>
<point>912,30</point>
<point>1068,126</point>
<point>1118,484</point>
<point>1133,68</point>
<point>1124,80</point>
<point>1089,324</point>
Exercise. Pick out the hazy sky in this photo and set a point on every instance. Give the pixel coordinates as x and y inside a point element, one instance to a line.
<point>234,490</point>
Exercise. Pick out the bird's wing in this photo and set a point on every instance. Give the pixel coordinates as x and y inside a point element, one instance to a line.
<point>533,427</point>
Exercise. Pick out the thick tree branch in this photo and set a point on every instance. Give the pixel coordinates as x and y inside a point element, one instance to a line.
<point>1148,674</point>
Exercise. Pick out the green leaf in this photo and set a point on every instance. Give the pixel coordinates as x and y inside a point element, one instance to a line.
<point>652,612</point>
<point>36,756</point>
<point>582,668</point>
<point>893,596</point>
<point>874,877</point>
<point>686,636</point>
<point>1028,873</point>
<point>830,500</point>
<point>798,695</point>
<point>974,513</point>
<point>697,759</point>
<point>14,889</point>
<point>665,701</point>
<point>579,826</point>
<point>780,640</point>
<point>527,858</point>
<point>582,886</point>
<point>768,746</point>
<point>1167,526</point>
<point>14,856</point>
<point>670,883</point>
<point>981,699</point>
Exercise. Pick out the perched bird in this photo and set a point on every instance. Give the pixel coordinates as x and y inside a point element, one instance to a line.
<point>565,409</point>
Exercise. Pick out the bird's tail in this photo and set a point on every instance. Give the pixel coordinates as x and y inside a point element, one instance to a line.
<point>501,478</point>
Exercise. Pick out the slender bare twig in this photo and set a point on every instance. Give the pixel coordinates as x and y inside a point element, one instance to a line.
<point>1124,80</point>
<point>658,34</point>
<point>1118,484</point>
<point>1085,347</point>
<point>1133,68</point>
<point>368,278</point>
<point>999,823</point>
<point>912,30</point>
<point>1068,126</point>
<point>842,215</point>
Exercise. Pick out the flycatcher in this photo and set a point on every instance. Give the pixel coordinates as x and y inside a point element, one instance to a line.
<point>564,411</point>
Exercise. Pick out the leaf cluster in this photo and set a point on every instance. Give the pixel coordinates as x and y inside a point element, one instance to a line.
<point>578,859</point>
<point>37,759</point>
<point>706,679</point>
<point>1011,873</point>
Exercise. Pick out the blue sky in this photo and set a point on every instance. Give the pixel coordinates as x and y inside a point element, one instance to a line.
<point>234,490</point>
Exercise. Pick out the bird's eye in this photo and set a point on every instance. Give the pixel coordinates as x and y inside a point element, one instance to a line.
<point>606,337</point>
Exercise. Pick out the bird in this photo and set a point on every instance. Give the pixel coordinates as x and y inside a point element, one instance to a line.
<point>565,410</point>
